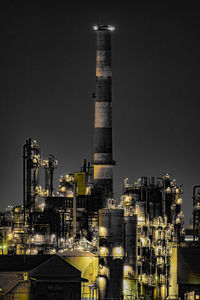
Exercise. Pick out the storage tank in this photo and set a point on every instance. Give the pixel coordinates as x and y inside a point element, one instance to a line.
<point>130,247</point>
<point>111,252</point>
<point>130,260</point>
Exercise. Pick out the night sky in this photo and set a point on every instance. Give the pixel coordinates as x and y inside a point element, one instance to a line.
<point>47,77</point>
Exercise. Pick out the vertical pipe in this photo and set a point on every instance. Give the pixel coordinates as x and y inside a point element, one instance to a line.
<point>194,213</point>
<point>74,208</point>
<point>51,182</point>
<point>28,176</point>
<point>51,167</point>
<point>84,165</point>
<point>35,182</point>
<point>163,196</point>
<point>24,181</point>
<point>47,179</point>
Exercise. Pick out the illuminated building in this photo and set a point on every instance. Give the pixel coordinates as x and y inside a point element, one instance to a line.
<point>134,248</point>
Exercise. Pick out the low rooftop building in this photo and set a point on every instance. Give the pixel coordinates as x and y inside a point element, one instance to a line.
<point>38,277</point>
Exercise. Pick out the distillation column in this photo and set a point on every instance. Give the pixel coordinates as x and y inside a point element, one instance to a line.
<point>103,160</point>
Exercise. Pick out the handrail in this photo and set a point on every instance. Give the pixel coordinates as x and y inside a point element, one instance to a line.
<point>11,287</point>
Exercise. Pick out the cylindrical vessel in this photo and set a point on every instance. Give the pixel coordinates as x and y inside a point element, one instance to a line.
<point>130,245</point>
<point>130,260</point>
<point>111,252</point>
<point>111,231</point>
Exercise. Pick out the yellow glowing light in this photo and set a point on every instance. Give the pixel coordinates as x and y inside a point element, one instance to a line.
<point>142,241</point>
<point>102,231</point>
<point>163,291</point>
<point>140,220</point>
<point>5,246</point>
<point>9,236</point>
<point>101,279</point>
<point>156,234</point>
<point>128,289</point>
<point>127,200</point>
<point>125,284</point>
<point>88,190</point>
<point>128,270</point>
<point>179,201</point>
<point>168,190</point>
<point>102,286</point>
<point>52,251</point>
<point>144,278</point>
<point>118,251</point>
<point>103,251</point>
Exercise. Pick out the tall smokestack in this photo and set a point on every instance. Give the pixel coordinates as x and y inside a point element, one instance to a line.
<point>103,160</point>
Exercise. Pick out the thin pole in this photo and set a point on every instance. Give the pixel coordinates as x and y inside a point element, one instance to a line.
<point>74,208</point>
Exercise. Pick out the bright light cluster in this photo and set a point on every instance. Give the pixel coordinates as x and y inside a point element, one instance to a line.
<point>106,27</point>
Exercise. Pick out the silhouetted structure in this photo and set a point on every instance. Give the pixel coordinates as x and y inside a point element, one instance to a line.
<point>38,278</point>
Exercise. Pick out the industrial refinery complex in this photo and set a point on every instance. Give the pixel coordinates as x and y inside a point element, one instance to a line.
<point>75,241</point>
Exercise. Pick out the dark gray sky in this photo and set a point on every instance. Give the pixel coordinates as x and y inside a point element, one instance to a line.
<point>47,77</point>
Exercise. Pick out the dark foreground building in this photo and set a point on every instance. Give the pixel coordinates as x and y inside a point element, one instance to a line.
<point>38,277</point>
<point>188,276</point>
